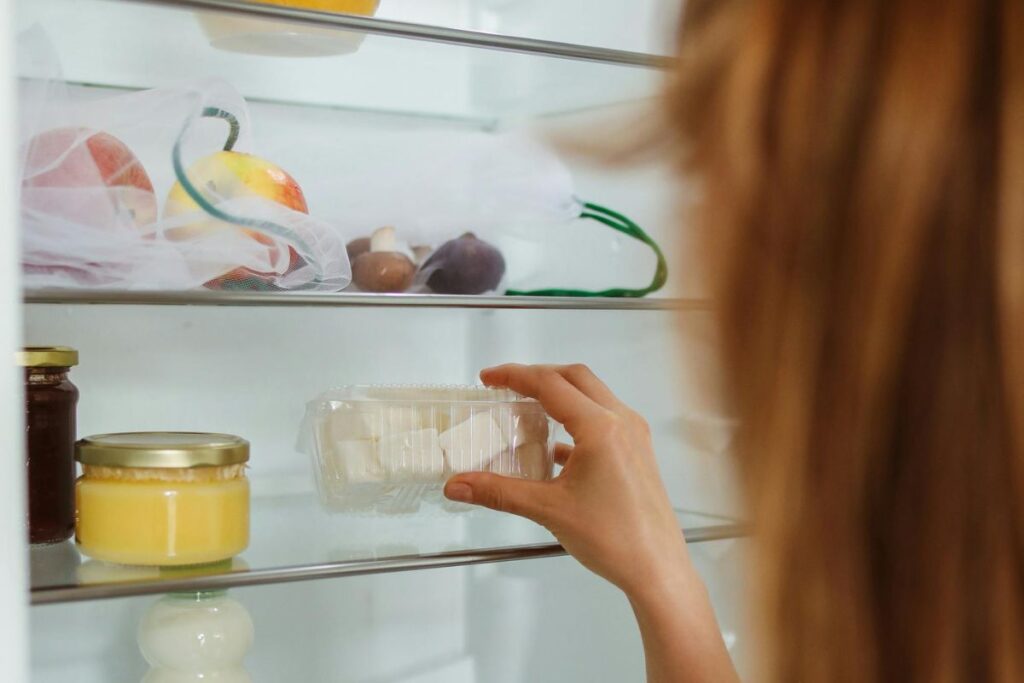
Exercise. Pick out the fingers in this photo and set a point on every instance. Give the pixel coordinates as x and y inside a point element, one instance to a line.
<point>584,379</point>
<point>577,374</point>
<point>560,398</point>
<point>562,453</point>
<point>530,499</point>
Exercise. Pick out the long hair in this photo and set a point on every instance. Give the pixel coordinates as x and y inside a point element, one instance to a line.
<point>861,176</point>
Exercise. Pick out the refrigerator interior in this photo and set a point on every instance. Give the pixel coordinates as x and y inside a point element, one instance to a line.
<point>249,370</point>
<point>535,620</point>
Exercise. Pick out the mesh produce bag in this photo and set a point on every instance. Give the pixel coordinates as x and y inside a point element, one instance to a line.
<point>151,190</point>
<point>433,186</point>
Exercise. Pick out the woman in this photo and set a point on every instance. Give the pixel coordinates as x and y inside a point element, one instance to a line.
<point>862,175</point>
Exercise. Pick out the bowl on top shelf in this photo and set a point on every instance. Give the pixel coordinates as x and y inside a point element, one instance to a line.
<point>271,38</point>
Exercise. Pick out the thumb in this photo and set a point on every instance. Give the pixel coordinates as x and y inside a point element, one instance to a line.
<point>530,499</point>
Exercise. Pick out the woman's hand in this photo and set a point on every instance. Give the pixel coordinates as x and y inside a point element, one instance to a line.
<point>608,507</point>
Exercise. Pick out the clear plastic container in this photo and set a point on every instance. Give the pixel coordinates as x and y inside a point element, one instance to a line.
<point>390,448</point>
<point>283,38</point>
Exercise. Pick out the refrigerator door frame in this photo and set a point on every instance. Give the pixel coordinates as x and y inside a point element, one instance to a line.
<point>13,566</point>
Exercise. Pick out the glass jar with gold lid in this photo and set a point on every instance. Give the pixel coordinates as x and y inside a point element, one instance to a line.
<point>50,404</point>
<point>162,498</point>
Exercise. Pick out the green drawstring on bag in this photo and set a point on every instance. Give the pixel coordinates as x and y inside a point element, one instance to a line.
<point>615,221</point>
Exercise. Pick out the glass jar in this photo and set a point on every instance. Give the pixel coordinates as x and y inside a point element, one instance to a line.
<point>162,498</point>
<point>50,402</point>
<point>196,637</point>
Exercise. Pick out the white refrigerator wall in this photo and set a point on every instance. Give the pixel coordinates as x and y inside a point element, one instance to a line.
<point>250,370</point>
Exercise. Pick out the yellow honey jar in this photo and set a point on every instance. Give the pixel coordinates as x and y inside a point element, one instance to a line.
<point>162,498</point>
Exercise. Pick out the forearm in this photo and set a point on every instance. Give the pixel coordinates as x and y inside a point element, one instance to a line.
<point>682,641</point>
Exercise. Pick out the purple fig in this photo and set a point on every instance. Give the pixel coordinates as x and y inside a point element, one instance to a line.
<point>465,265</point>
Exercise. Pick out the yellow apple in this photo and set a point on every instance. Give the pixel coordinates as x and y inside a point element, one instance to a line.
<point>230,175</point>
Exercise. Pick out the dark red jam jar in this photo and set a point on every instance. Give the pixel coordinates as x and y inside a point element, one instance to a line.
<point>50,401</point>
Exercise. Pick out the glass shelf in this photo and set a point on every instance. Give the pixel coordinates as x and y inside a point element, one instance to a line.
<point>379,63</point>
<point>342,299</point>
<point>642,27</point>
<point>462,33</point>
<point>294,539</point>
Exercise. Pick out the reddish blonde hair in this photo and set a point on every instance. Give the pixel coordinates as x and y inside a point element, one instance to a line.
<point>861,166</point>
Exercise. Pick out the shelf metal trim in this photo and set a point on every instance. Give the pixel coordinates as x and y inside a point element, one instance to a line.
<point>438,34</point>
<point>343,299</point>
<point>241,579</point>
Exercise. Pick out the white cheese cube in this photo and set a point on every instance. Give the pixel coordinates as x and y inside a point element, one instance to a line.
<point>470,445</point>
<point>433,416</point>
<point>375,422</point>
<point>402,418</point>
<point>356,461</point>
<point>348,425</point>
<point>412,456</point>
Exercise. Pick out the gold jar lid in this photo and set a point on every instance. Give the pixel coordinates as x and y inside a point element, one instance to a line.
<point>172,450</point>
<point>46,357</point>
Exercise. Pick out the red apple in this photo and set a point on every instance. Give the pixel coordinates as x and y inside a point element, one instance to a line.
<point>82,158</point>
<point>228,175</point>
